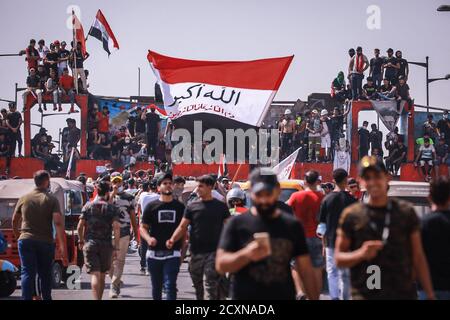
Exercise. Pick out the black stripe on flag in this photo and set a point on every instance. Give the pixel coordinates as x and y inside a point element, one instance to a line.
<point>96,33</point>
<point>106,45</point>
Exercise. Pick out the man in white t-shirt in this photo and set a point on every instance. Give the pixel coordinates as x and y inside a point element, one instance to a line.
<point>426,157</point>
<point>147,196</point>
<point>43,50</point>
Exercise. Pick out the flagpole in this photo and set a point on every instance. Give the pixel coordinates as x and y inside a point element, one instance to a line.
<point>236,174</point>
<point>75,74</point>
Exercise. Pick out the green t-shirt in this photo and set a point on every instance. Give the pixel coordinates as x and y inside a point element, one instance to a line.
<point>37,210</point>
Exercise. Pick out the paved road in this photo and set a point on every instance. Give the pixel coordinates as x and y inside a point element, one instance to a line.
<point>136,286</point>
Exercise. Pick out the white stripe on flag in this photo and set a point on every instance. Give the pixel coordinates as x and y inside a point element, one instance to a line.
<point>284,168</point>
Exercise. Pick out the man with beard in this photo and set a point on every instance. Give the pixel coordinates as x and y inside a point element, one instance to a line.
<point>206,216</point>
<point>159,221</point>
<point>257,247</point>
<point>385,232</point>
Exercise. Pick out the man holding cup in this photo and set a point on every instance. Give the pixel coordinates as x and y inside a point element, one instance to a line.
<point>257,247</point>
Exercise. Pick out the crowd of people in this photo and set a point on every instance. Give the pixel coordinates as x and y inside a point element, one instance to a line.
<point>316,132</point>
<point>387,78</point>
<point>48,73</point>
<point>264,248</point>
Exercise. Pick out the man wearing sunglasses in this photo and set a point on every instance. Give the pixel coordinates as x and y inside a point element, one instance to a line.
<point>381,243</point>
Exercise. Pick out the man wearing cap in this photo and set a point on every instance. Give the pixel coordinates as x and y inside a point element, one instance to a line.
<point>159,220</point>
<point>380,242</point>
<point>126,204</point>
<point>391,67</point>
<point>206,216</point>
<point>98,220</point>
<point>258,246</point>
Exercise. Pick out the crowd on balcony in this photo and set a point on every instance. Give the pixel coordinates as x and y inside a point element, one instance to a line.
<point>48,73</point>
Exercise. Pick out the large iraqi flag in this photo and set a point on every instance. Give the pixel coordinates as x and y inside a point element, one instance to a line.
<point>222,94</point>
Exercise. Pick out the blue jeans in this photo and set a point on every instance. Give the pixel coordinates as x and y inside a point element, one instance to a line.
<point>377,79</point>
<point>338,279</point>
<point>440,295</point>
<point>36,257</point>
<point>357,79</point>
<point>164,273</point>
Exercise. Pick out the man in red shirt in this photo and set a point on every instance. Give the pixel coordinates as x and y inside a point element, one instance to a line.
<point>66,87</point>
<point>103,120</point>
<point>32,55</point>
<point>306,206</point>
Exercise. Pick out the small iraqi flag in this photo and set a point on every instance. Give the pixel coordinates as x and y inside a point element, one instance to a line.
<point>101,31</point>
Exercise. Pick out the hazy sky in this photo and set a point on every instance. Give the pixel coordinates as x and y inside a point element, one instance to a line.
<point>318,33</point>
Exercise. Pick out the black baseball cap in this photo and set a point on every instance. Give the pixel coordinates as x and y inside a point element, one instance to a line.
<point>163,176</point>
<point>263,179</point>
<point>371,163</point>
<point>153,184</point>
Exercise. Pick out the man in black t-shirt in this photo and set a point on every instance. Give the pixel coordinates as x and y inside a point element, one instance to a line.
<point>33,88</point>
<point>258,246</point>
<point>4,152</point>
<point>436,238</point>
<point>376,64</point>
<point>364,143</point>
<point>397,156</point>
<point>13,122</point>
<point>206,217</point>
<point>391,67</point>
<point>376,139</point>
<point>51,59</point>
<point>159,220</point>
<point>153,122</point>
<point>140,125</point>
<point>443,127</point>
<point>77,59</point>
<point>330,211</point>
<point>403,63</point>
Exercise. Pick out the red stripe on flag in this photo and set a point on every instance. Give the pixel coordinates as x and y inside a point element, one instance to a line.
<point>264,74</point>
<point>101,18</point>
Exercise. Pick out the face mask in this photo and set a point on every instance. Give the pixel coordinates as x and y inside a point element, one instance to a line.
<point>445,116</point>
<point>120,189</point>
<point>266,211</point>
